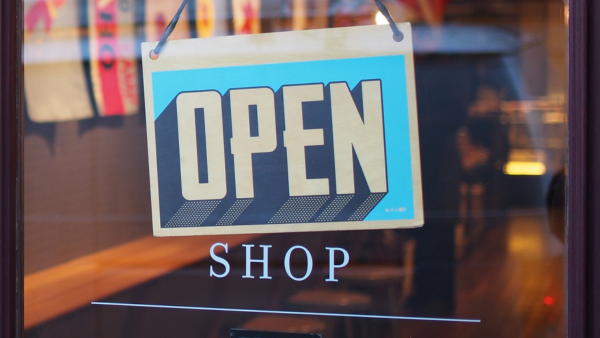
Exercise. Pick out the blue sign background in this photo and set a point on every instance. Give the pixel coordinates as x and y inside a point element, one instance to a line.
<point>398,203</point>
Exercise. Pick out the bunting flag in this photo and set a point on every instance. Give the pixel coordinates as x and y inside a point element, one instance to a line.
<point>246,16</point>
<point>54,73</point>
<point>210,18</point>
<point>321,14</point>
<point>308,14</point>
<point>113,48</point>
<point>205,15</point>
<point>158,15</point>
<point>429,11</point>
<point>343,13</point>
<point>299,15</point>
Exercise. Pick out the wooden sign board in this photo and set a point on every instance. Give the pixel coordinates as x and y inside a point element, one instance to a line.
<point>285,132</point>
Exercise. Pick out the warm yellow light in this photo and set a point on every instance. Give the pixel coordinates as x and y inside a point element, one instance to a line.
<point>554,117</point>
<point>380,19</point>
<point>525,168</point>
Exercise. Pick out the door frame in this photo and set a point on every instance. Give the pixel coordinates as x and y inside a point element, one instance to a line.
<point>583,191</point>
<point>11,170</point>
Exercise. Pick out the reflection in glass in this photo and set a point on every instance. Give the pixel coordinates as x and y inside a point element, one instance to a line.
<point>491,82</point>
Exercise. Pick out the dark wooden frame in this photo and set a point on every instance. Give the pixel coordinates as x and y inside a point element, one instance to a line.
<point>583,230</point>
<point>577,172</point>
<point>593,165</point>
<point>11,174</point>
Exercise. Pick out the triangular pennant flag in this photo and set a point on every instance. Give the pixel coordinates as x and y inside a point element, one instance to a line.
<point>113,47</point>
<point>246,16</point>
<point>55,83</point>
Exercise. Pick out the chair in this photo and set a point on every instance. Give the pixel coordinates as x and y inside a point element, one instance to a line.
<point>285,323</point>
<point>333,301</point>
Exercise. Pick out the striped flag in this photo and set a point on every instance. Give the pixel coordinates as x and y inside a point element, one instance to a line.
<point>113,47</point>
<point>55,82</point>
<point>246,16</point>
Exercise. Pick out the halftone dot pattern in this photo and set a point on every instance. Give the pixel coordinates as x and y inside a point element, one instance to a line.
<point>334,208</point>
<point>235,211</point>
<point>366,207</point>
<point>299,209</point>
<point>192,214</point>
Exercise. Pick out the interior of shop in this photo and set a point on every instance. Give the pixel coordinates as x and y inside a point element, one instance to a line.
<point>490,83</point>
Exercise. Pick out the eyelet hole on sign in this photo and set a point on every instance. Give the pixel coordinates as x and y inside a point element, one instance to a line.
<point>398,37</point>
<point>153,55</point>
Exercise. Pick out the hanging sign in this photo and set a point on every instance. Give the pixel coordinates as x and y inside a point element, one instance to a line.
<point>283,132</point>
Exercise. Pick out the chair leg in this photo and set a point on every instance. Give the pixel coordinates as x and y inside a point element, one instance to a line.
<point>364,329</point>
<point>409,265</point>
<point>394,311</point>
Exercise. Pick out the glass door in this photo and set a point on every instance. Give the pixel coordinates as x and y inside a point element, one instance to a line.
<point>490,86</point>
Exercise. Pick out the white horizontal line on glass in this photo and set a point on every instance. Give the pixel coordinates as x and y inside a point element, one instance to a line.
<point>176,307</point>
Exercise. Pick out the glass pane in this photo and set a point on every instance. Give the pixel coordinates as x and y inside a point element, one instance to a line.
<point>488,262</point>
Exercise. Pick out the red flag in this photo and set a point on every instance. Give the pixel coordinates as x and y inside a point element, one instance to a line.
<point>112,56</point>
<point>246,16</point>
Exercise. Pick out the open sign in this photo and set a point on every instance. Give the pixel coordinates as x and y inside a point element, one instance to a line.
<point>256,135</point>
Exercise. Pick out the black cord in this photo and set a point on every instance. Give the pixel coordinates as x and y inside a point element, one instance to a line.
<point>398,36</point>
<point>168,30</point>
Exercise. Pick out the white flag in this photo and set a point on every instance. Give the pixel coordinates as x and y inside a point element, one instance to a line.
<point>55,84</point>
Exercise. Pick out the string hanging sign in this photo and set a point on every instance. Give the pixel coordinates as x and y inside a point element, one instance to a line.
<point>283,132</point>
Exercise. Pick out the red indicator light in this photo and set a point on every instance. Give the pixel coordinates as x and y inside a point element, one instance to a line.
<point>548,300</point>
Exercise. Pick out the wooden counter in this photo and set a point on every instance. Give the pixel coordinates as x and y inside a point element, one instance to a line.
<point>72,285</point>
